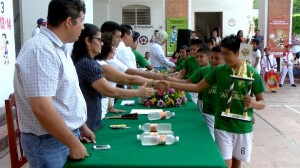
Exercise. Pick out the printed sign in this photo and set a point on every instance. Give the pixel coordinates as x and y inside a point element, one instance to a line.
<point>7,45</point>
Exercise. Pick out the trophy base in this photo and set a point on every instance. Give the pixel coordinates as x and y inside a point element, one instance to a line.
<point>236,116</point>
<point>242,78</point>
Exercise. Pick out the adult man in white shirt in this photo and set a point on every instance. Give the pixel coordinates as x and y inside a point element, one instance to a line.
<point>124,53</point>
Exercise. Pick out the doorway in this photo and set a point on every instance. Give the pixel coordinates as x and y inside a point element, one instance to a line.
<point>206,23</point>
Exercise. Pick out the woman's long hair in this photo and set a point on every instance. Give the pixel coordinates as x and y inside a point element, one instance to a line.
<point>79,48</point>
<point>107,46</point>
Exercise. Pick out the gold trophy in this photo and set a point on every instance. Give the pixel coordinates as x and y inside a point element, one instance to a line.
<point>240,75</point>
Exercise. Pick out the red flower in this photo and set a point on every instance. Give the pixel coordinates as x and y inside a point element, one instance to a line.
<point>148,103</point>
<point>160,93</point>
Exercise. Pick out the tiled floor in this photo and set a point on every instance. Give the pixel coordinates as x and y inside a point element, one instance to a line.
<point>276,141</point>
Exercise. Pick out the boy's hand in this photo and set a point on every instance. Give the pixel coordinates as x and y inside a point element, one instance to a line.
<point>163,85</point>
<point>248,101</point>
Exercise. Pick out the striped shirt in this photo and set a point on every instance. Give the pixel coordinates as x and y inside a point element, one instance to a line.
<point>43,69</point>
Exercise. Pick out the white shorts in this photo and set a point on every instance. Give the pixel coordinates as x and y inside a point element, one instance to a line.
<point>194,97</point>
<point>200,105</point>
<point>234,145</point>
<point>210,122</point>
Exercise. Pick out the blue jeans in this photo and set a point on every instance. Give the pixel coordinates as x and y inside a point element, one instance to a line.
<point>45,151</point>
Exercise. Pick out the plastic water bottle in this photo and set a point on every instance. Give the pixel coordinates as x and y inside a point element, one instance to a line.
<point>160,115</point>
<point>150,140</point>
<point>154,133</point>
<point>161,127</point>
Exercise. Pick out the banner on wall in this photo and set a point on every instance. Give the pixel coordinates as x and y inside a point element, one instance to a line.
<point>7,50</point>
<point>278,34</point>
<point>173,24</point>
<point>146,34</point>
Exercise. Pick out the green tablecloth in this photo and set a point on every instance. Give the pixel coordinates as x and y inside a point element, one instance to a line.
<point>195,148</point>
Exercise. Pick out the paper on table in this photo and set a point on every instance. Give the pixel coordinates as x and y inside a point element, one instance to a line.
<point>127,102</point>
<point>145,111</point>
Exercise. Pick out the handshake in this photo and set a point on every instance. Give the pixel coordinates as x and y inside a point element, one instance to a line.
<point>146,91</point>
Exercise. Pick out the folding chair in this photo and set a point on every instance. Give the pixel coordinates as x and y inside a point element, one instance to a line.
<point>16,152</point>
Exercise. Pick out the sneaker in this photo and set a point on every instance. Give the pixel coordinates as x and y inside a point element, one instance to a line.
<point>293,85</point>
<point>273,91</point>
<point>280,85</point>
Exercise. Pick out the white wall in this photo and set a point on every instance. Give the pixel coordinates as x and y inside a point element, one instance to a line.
<point>30,11</point>
<point>111,10</point>
<point>100,9</point>
<point>233,9</point>
<point>29,14</point>
<point>263,19</point>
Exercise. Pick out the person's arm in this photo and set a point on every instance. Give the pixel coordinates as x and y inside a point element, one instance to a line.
<point>149,75</point>
<point>199,87</point>
<point>51,121</point>
<point>114,75</point>
<point>162,59</point>
<point>102,86</point>
<point>257,104</point>
<point>256,62</point>
<point>181,74</point>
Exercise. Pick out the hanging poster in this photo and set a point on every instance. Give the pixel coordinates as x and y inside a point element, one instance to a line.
<point>7,50</point>
<point>173,24</point>
<point>278,34</point>
<point>146,34</point>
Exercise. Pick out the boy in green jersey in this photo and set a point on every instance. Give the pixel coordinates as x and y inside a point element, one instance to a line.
<point>202,58</point>
<point>190,64</point>
<point>233,137</point>
<point>208,99</point>
<point>183,57</point>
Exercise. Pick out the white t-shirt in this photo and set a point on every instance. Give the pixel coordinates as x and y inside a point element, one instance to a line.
<point>116,63</point>
<point>158,58</point>
<point>126,56</point>
<point>256,54</point>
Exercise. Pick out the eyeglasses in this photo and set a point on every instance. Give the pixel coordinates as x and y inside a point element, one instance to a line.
<point>99,39</point>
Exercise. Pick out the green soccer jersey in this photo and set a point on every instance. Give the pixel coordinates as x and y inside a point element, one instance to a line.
<point>221,76</point>
<point>179,64</point>
<point>209,96</point>
<point>190,65</point>
<point>140,60</point>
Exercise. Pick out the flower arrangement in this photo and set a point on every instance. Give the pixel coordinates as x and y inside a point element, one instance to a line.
<point>171,98</point>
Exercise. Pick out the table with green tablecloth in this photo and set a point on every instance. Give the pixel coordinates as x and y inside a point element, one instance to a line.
<point>195,148</point>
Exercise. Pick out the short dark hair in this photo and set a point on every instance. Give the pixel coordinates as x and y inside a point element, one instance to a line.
<point>107,46</point>
<point>204,49</point>
<point>211,41</point>
<point>231,42</point>
<point>183,47</point>
<point>79,47</point>
<point>60,10</point>
<point>256,41</point>
<point>217,48</point>
<point>110,26</point>
<point>237,34</point>
<point>196,42</point>
<point>125,29</point>
<point>135,35</point>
